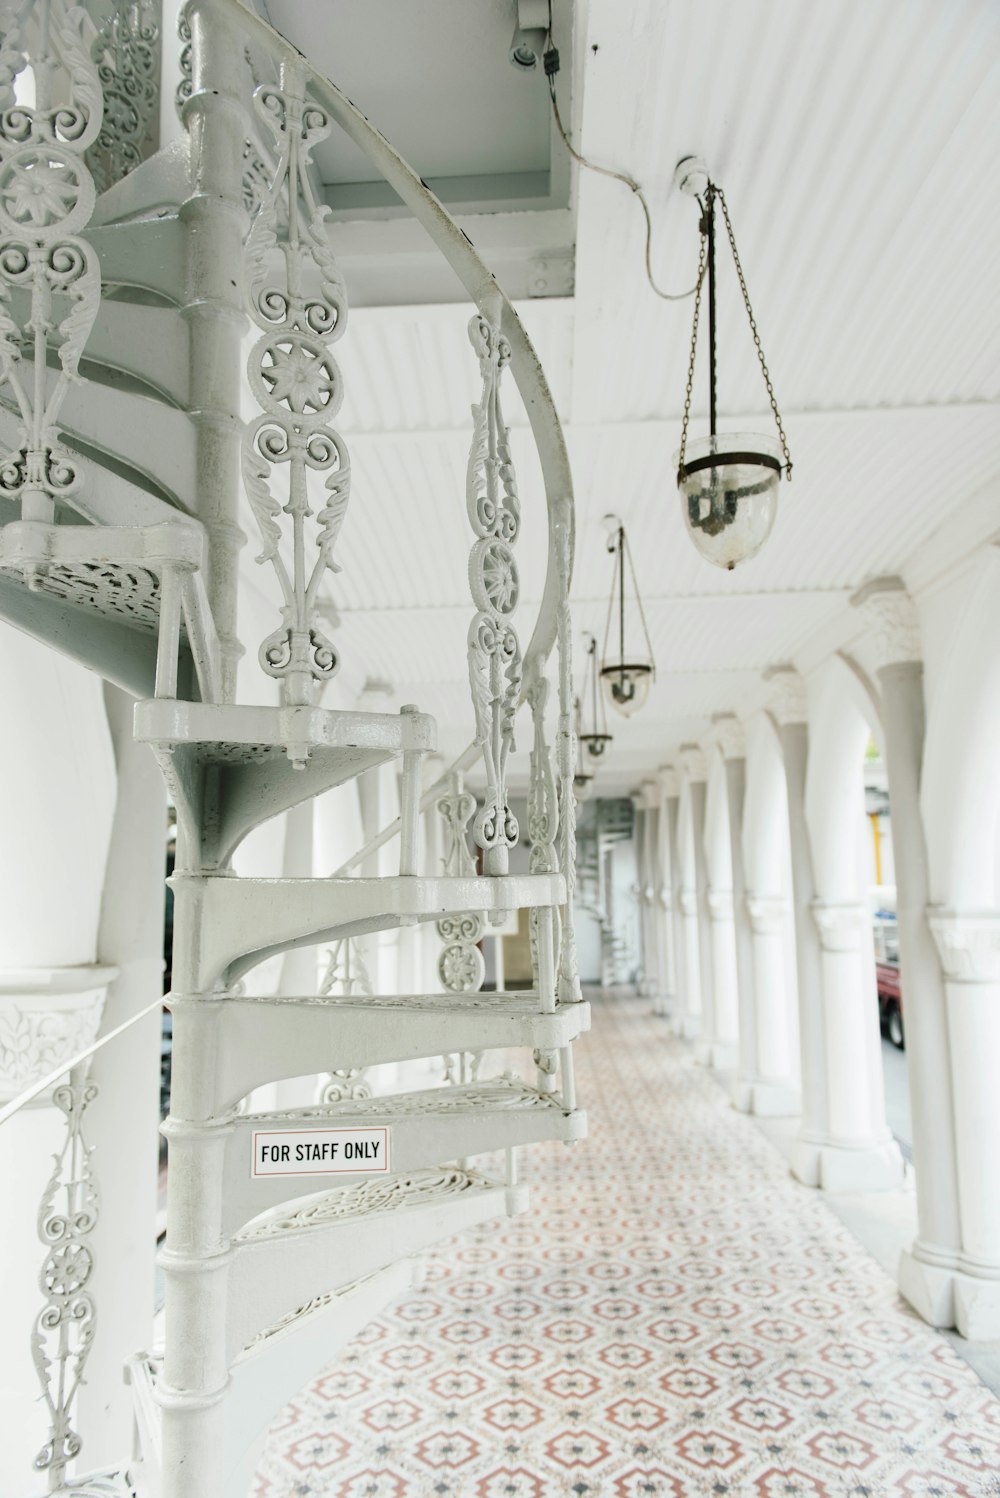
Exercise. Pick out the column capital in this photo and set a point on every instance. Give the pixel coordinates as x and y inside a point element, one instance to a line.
<point>669,779</point>
<point>767,913</point>
<point>968,944</point>
<point>892,622</point>
<point>840,924</point>
<point>720,904</point>
<point>693,763</point>
<point>689,902</point>
<point>650,791</point>
<point>791,699</point>
<point>47,1016</point>
<point>729,734</point>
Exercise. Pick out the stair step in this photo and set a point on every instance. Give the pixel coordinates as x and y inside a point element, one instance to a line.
<point>249,750</point>
<point>279,914</point>
<point>150,443</point>
<point>268,1039</point>
<point>149,254</point>
<point>412,1131</point>
<point>296,1256</point>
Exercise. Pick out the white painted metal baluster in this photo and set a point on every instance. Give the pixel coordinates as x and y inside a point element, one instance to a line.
<point>566,747</point>
<point>494,651</point>
<point>409,808</point>
<point>168,642</point>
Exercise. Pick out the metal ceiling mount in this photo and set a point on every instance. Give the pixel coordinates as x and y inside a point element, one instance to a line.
<point>691,176</point>
<point>530,31</point>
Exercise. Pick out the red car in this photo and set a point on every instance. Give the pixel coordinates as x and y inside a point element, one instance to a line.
<point>890,998</point>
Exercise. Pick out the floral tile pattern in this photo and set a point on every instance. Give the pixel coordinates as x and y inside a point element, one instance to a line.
<point>674,1318</point>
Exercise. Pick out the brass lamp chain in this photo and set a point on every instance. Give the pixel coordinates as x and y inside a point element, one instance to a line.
<point>716,192</point>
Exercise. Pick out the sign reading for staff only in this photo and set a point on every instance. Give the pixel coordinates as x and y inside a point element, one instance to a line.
<point>320,1152</point>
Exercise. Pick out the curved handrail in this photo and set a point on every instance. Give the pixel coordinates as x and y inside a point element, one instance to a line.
<point>483,288</point>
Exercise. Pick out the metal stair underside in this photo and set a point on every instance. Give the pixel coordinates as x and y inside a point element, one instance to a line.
<point>259,761</point>
<point>273,1038</point>
<point>245,921</point>
<point>421,1129</point>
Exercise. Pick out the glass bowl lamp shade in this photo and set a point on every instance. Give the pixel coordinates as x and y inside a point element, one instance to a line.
<point>626,685</point>
<point>595,743</point>
<point>583,784</point>
<point>728,485</point>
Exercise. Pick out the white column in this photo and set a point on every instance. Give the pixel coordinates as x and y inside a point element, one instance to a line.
<point>649,880</point>
<point>639,839</point>
<point>57,764</point>
<point>892,636</point>
<point>123,1123</point>
<point>729,734</point>
<point>724,1053</point>
<point>969,946</point>
<point>790,708</point>
<point>676,938</point>
<point>689,1021</point>
<point>857,1151</point>
<point>773,1085</point>
<point>700,951</point>
<point>665,900</point>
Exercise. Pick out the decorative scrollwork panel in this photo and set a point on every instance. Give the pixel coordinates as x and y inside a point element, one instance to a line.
<point>297,299</point>
<point>64,1328</point>
<point>495,663</point>
<point>50,282</point>
<point>126,52</point>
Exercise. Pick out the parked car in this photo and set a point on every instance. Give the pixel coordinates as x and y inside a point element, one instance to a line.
<point>890,997</point>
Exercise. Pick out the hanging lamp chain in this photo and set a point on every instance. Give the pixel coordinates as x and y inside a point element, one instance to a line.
<point>689,388</point>
<point>756,336</point>
<point>706,207</point>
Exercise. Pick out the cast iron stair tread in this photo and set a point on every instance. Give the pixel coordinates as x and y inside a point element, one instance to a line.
<point>281,914</point>
<point>406,1132</point>
<point>505,1093</point>
<point>271,1038</point>
<point>300,1252</point>
<point>267,759</point>
<point>518,1001</point>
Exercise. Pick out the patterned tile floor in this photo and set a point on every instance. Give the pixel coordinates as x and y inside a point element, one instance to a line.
<point>675,1317</point>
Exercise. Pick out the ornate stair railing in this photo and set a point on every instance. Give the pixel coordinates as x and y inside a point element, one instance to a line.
<point>157,483</point>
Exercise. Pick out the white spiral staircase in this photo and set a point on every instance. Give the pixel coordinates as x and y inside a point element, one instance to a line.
<point>122,456</point>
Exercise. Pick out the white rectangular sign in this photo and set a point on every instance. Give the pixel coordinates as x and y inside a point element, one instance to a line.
<point>320,1152</point>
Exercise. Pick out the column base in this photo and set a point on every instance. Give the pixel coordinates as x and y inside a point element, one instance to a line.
<point>841,1168</point>
<point>952,1295</point>
<point>663,1004</point>
<point>687,1026</point>
<point>776,1100</point>
<point>725,1055</point>
<point>765,1099</point>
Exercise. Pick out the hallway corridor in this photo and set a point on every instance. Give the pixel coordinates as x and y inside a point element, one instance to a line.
<point>675,1317</point>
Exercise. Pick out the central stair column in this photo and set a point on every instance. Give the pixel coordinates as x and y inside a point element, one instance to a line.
<point>215,219</point>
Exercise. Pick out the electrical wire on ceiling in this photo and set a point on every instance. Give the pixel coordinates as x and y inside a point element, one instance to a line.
<point>550,62</point>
